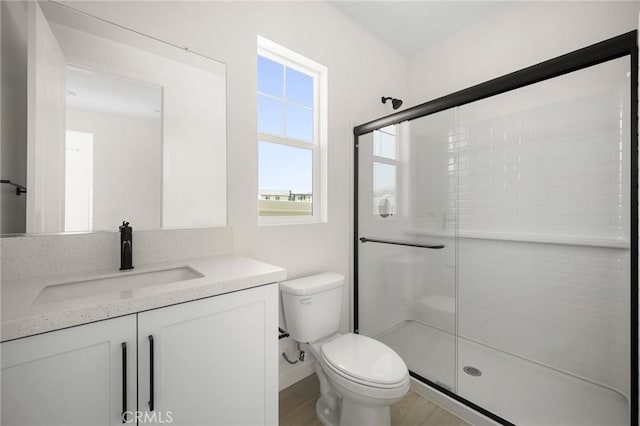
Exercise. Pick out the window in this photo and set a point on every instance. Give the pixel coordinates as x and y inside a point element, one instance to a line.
<point>385,171</point>
<point>292,128</point>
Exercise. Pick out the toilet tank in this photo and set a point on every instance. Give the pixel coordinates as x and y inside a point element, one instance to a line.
<point>312,306</point>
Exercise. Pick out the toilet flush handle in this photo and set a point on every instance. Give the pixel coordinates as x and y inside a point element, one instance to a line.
<point>306,300</point>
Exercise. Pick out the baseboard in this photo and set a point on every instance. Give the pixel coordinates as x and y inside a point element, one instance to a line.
<point>454,407</point>
<point>290,374</point>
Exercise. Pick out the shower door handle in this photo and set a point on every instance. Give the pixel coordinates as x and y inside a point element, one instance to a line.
<point>401,243</point>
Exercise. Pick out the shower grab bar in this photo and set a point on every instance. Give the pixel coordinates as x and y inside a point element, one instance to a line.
<point>401,243</point>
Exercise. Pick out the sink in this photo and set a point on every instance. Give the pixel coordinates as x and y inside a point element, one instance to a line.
<point>127,281</point>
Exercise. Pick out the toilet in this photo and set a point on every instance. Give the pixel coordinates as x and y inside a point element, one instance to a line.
<point>359,377</point>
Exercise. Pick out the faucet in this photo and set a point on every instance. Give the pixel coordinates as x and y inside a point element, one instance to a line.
<point>126,246</point>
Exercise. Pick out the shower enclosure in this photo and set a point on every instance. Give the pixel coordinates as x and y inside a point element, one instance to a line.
<point>496,234</point>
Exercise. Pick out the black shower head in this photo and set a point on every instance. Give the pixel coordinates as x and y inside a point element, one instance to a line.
<point>396,103</point>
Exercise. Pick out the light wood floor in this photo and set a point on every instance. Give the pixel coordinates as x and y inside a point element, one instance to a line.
<point>297,408</point>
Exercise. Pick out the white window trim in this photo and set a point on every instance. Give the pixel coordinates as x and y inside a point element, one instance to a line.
<point>293,60</point>
<point>398,163</point>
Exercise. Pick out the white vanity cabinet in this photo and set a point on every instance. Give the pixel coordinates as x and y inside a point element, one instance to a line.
<point>209,362</point>
<point>70,377</point>
<point>215,360</point>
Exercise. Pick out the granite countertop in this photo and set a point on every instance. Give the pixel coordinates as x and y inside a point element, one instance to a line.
<point>23,316</point>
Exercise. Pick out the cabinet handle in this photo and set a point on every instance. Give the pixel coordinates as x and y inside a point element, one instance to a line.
<point>150,372</point>
<point>124,382</point>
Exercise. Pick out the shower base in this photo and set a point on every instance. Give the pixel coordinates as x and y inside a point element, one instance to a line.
<point>521,391</point>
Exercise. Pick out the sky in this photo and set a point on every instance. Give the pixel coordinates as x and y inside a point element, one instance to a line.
<point>285,168</point>
<point>285,108</point>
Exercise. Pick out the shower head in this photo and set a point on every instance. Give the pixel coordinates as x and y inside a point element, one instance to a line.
<point>396,103</point>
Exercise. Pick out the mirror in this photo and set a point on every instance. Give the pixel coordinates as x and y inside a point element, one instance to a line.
<point>119,126</point>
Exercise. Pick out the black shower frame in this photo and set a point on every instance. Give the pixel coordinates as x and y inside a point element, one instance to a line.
<point>613,48</point>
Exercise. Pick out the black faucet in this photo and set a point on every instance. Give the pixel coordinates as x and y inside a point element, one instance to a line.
<point>126,246</point>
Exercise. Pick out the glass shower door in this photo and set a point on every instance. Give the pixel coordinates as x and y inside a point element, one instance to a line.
<point>543,266</point>
<point>494,250</point>
<point>407,244</point>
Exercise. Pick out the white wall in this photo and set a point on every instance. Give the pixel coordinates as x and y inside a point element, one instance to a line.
<point>46,94</point>
<point>14,116</point>
<point>361,69</point>
<point>127,170</point>
<point>520,35</point>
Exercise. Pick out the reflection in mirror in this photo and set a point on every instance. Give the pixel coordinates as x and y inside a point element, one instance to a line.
<point>111,125</point>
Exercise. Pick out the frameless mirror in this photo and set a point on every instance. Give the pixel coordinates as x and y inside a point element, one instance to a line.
<point>118,126</point>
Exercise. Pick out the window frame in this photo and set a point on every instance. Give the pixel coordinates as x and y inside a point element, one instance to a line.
<point>395,162</point>
<point>318,146</point>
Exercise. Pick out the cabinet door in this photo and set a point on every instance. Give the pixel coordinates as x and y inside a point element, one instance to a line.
<point>215,360</point>
<point>70,377</point>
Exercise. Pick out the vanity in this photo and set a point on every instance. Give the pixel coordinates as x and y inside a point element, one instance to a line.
<point>197,347</point>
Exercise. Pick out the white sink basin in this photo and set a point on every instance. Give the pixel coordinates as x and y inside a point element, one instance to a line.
<point>118,283</point>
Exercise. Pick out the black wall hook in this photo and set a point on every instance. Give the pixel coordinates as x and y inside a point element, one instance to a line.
<point>19,188</point>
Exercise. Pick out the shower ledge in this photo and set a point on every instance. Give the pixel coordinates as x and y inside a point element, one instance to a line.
<point>525,238</point>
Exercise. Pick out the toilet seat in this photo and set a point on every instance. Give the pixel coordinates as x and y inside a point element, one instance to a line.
<point>366,361</point>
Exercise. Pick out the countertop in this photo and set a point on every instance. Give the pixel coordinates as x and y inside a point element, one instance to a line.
<point>222,274</point>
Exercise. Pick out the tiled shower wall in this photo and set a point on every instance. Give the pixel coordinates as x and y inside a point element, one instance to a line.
<point>563,306</point>
<point>535,182</point>
<point>550,159</point>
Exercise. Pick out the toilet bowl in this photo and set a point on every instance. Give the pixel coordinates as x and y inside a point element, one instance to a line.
<point>359,377</point>
<point>363,376</point>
